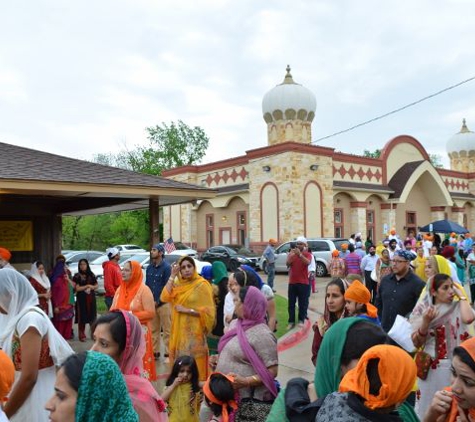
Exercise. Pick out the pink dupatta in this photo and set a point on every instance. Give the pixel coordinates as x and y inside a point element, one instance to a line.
<point>146,401</point>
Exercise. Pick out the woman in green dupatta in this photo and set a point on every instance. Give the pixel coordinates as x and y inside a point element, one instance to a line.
<point>334,361</point>
<point>90,388</point>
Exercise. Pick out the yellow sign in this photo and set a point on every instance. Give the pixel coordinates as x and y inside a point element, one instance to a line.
<point>16,235</point>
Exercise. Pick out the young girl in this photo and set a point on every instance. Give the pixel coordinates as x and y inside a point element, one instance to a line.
<point>219,396</point>
<point>182,391</point>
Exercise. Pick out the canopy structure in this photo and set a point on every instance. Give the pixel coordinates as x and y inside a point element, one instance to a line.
<point>444,226</point>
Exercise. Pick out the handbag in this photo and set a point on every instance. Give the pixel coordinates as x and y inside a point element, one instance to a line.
<point>254,410</point>
<point>423,362</point>
<point>401,332</point>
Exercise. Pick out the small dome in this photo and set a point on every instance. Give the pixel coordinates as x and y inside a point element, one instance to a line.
<point>462,141</point>
<point>289,101</point>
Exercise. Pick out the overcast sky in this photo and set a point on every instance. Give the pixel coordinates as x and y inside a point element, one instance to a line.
<point>86,77</point>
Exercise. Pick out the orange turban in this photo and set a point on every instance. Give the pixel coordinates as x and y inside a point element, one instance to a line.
<point>393,231</point>
<point>360,294</point>
<point>7,375</point>
<point>5,254</point>
<point>213,399</point>
<point>344,246</point>
<point>395,385</point>
<point>335,253</point>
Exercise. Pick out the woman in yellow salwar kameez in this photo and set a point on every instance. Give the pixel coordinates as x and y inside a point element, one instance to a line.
<point>193,314</point>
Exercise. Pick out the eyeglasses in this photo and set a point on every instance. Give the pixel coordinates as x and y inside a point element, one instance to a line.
<point>398,261</point>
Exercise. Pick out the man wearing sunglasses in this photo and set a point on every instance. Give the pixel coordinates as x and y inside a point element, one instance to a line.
<point>399,291</point>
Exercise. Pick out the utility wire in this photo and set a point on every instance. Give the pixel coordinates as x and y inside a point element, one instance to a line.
<point>395,111</point>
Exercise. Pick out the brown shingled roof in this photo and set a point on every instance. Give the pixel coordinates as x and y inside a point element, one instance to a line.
<point>400,178</point>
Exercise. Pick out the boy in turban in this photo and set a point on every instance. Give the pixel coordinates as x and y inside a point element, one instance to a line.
<point>358,304</point>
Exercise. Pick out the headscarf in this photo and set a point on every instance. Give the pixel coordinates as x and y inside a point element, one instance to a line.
<point>7,376</point>
<point>207,272</point>
<point>385,257</point>
<point>254,312</point>
<point>58,271</point>
<point>335,253</point>
<point>395,385</point>
<point>448,252</point>
<point>17,298</point>
<point>360,294</point>
<point>5,254</point>
<point>144,397</point>
<point>102,393</point>
<point>344,246</point>
<point>219,271</point>
<point>324,321</point>
<point>42,279</point>
<point>211,397</point>
<point>247,268</point>
<point>408,256</point>
<point>441,264</point>
<point>128,289</point>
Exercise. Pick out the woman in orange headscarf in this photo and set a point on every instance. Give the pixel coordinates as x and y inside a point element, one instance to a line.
<point>133,295</point>
<point>193,313</point>
<point>358,304</point>
<point>457,402</point>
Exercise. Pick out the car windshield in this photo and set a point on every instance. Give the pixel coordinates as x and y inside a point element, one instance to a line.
<point>240,249</point>
<point>100,260</point>
<point>338,243</point>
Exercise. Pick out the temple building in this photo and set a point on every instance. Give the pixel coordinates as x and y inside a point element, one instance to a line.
<point>291,187</point>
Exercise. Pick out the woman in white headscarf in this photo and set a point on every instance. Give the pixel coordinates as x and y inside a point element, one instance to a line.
<point>40,282</point>
<point>30,339</point>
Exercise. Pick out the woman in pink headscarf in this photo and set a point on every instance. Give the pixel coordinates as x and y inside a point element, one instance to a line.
<point>119,335</point>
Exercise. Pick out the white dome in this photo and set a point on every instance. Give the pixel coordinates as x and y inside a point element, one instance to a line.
<point>289,100</point>
<point>462,141</point>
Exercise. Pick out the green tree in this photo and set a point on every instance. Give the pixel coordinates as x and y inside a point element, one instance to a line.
<point>372,154</point>
<point>436,160</point>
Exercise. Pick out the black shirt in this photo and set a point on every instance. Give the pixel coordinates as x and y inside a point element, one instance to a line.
<point>397,297</point>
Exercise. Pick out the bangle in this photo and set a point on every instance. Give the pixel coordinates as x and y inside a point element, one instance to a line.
<point>462,298</point>
<point>421,333</point>
<point>255,379</point>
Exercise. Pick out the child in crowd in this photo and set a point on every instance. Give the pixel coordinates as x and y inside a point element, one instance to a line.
<point>182,392</point>
<point>358,302</point>
<point>7,376</point>
<point>219,396</point>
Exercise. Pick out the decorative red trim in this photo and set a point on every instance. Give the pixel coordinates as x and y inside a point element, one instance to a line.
<point>454,173</point>
<point>458,209</point>
<point>393,143</point>
<point>356,159</point>
<point>312,182</point>
<point>278,210</point>
<point>287,147</point>
<point>434,209</point>
<point>357,204</point>
<point>388,206</point>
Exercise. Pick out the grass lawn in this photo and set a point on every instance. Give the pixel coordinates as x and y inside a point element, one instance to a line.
<point>280,302</point>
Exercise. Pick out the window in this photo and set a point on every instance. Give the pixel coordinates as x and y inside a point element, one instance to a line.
<point>411,222</point>
<point>338,222</point>
<point>319,246</point>
<point>209,230</point>
<point>241,227</point>
<point>370,223</point>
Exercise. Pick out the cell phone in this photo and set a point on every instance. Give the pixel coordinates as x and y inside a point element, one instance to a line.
<point>293,245</point>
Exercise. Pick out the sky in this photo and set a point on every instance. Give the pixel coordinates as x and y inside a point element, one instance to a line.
<point>84,78</point>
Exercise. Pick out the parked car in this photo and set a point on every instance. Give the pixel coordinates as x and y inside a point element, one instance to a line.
<point>96,268</point>
<point>129,248</point>
<point>182,249</point>
<point>321,249</point>
<point>73,258</point>
<point>228,256</point>
<point>248,253</point>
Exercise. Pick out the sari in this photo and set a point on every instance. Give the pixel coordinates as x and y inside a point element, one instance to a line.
<point>20,301</point>
<point>446,332</point>
<point>146,401</point>
<point>102,393</point>
<point>188,333</point>
<point>133,295</point>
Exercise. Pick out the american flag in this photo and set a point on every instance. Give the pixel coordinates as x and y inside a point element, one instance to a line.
<point>169,245</point>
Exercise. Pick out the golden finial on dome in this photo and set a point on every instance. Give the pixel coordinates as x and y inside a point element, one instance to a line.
<point>464,127</point>
<point>288,76</point>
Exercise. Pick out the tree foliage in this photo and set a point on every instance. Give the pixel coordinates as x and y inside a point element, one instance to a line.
<point>372,154</point>
<point>169,145</point>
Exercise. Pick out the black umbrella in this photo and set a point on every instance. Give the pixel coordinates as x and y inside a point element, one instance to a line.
<point>444,226</point>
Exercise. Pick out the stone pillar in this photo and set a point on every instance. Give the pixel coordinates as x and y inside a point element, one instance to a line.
<point>457,215</point>
<point>358,218</point>
<point>154,223</point>
<point>437,213</point>
<point>388,218</point>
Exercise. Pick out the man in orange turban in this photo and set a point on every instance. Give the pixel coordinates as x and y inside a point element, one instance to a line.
<point>5,256</point>
<point>358,304</point>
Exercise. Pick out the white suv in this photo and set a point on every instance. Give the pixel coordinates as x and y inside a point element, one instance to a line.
<point>321,249</point>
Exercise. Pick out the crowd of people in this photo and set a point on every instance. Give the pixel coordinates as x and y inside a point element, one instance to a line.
<point>215,330</point>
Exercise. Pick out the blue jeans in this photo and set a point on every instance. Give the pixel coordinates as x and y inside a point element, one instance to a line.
<point>300,292</point>
<point>270,275</point>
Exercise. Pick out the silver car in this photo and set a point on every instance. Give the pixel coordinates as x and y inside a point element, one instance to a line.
<point>321,249</point>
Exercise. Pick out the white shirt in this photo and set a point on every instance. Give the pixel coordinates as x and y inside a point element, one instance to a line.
<point>368,263</point>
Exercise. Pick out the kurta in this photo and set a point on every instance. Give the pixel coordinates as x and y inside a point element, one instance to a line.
<point>188,333</point>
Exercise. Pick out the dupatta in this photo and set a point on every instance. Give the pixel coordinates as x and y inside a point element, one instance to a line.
<point>128,289</point>
<point>145,399</point>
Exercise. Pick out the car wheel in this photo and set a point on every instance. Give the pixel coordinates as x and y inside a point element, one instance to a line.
<point>320,270</point>
<point>233,266</point>
<point>264,268</point>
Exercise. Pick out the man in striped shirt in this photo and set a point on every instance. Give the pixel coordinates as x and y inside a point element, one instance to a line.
<point>353,261</point>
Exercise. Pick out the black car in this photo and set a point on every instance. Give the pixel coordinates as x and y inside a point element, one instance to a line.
<point>229,255</point>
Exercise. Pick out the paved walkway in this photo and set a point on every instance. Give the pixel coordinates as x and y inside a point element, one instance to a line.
<point>294,347</point>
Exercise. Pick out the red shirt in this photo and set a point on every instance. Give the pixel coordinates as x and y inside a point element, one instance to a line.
<point>112,277</point>
<point>298,270</point>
